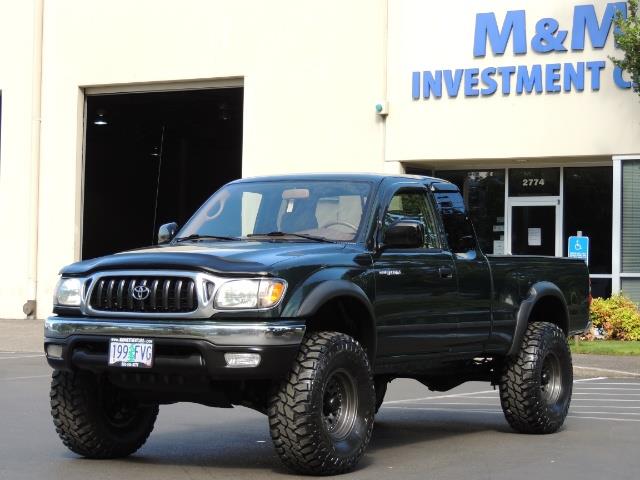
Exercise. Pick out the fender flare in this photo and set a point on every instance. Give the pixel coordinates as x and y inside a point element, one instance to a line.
<point>330,289</point>
<point>537,292</point>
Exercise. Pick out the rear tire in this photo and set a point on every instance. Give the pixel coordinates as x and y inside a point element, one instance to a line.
<point>536,385</point>
<point>321,416</point>
<point>96,420</point>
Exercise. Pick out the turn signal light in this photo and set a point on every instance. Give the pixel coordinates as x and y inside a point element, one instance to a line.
<point>270,293</point>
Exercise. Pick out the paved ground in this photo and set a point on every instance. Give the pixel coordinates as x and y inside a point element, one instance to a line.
<point>21,335</point>
<point>419,434</point>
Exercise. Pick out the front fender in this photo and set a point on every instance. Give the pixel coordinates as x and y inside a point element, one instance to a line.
<point>329,290</point>
<point>329,284</point>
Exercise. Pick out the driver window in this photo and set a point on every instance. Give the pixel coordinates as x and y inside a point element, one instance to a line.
<point>413,205</point>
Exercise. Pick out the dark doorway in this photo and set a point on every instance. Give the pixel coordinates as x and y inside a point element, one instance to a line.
<point>533,230</point>
<point>152,158</point>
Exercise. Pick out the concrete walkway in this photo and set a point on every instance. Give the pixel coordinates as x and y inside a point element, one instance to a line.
<point>26,336</point>
<point>21,335</point>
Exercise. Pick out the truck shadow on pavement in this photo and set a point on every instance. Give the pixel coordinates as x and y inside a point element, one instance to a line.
<point>247,445</point>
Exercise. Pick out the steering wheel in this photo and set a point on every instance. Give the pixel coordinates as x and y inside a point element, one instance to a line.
<point>345,224</point>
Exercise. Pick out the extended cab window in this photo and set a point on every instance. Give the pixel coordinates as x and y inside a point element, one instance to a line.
<point>457,226</point>
<point>413,205</point>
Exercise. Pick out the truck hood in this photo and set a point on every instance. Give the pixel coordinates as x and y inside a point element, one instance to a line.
<point>237,257</point>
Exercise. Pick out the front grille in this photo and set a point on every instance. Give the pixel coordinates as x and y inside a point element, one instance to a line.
<point>162,294</point>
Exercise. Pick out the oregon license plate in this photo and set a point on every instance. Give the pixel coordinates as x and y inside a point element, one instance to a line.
<point>131,352</point>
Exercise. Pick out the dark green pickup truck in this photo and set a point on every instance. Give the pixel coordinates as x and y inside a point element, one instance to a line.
<point>302,297</point>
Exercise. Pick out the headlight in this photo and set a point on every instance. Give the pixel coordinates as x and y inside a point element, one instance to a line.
<point>68,292</point>
<point>258,293</point>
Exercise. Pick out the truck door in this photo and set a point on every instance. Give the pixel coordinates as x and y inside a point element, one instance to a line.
<point>473,308</point>
<point>415,287</point>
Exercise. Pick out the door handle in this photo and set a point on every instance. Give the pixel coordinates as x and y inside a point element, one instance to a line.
<point>445,272</point>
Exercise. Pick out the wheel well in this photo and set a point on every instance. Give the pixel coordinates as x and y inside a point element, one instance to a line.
<point>550,309</point>
<point>347,315</point>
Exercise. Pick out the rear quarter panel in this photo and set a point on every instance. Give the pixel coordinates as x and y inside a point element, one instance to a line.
<point>513,279</point>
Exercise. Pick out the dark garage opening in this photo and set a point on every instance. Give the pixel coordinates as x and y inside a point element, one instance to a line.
<point>153,158</point>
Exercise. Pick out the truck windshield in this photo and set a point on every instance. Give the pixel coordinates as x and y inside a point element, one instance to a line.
<point>331,210</point>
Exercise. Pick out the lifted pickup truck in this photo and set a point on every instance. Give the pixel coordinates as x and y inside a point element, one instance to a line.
<point>302,297</point>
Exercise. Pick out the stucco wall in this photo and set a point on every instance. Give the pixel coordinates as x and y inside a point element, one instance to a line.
<point>16,59</point>
<point>430,36</point>
<point>312,73</point>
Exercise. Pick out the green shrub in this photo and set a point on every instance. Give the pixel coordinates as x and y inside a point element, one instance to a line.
<point>618,317</point>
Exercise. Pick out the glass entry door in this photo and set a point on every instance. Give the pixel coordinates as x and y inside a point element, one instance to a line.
<point>535,227</point>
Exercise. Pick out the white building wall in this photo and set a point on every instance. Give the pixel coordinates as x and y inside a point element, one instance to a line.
<point>312,73</point>
<point>16,77</point>
<point>440,35</point>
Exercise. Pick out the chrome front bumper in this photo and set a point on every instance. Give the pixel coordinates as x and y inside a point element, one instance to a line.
<point>258,334</point>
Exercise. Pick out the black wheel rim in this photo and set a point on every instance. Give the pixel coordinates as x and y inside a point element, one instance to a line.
<point>339,404</point>
<point>119,410</point>
<point>551,379</point>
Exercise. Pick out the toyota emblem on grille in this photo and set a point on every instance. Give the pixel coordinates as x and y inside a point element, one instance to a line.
<point>140,292</point>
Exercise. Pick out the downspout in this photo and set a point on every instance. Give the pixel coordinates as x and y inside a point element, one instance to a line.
<point>30,306</point>
<point>385,92</point>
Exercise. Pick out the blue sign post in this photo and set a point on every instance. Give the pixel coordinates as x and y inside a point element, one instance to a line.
<point>579,248</point>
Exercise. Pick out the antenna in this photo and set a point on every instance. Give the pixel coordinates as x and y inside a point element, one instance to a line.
<point>155,208</point>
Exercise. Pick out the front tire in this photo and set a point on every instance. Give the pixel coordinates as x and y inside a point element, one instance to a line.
<point>321,416</point>
<point>536,385</point>
<point>96,420</point>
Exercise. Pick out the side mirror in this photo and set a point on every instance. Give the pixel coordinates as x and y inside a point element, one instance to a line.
<point>166,232</point>
<point>404,234</point>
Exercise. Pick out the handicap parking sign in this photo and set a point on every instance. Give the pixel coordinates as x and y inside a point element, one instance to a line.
<point>579,248</point>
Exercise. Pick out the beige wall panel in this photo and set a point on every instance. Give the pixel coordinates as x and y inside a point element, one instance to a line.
<point>439,35</point>
<point>16,55</point>
<point>312,72</point>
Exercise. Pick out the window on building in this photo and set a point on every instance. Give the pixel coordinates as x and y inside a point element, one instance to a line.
<point>588,204</point>
<point>483,193</point>
<point>630,286</point>
<point>631,216</point>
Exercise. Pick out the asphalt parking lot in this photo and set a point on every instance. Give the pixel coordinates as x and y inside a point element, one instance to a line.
<point>459,434</point>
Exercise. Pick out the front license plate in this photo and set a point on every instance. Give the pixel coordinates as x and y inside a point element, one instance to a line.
<point>131,352</point>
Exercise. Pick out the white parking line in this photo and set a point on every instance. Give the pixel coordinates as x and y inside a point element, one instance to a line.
<point>616,383</point>
<point>613,393</point>
<point>605,400</point>
<point>22,356</point>
<point>457,410</point>
<point>609,388</point>
<point>608,370</point>
<point>600,406</point>
<point>589,379</point>
<point>607,413</point>
<point>607,418</point>
<point>454,395</point>
<point>25,378</point>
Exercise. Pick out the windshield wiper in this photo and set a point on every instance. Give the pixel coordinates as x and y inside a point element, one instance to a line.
<point>287,234</point>
<point>197,236</point>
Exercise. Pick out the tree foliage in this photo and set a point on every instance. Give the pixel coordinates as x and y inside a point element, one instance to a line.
<point>628,39</point>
